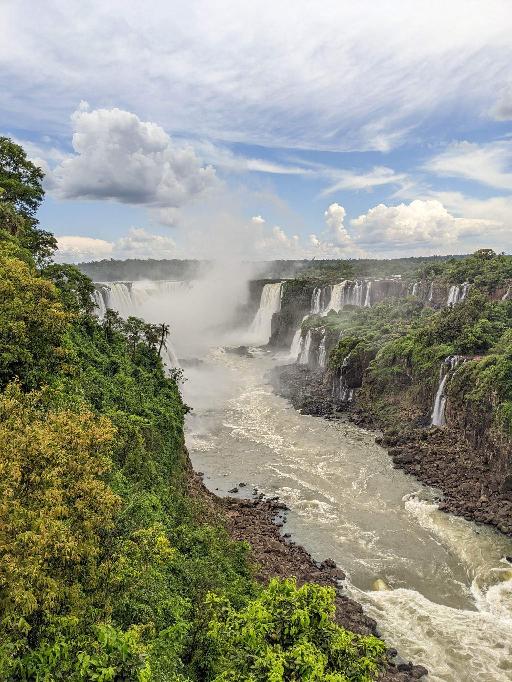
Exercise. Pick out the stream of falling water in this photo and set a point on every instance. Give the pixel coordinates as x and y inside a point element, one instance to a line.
<point>449,602</point>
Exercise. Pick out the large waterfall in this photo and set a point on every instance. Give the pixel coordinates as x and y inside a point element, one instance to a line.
<point>305,348</point>
<point>129,298</point>
<point>270,303</point>
<point>316,297</point>
<point>347,293</point>
<point>368,297</point>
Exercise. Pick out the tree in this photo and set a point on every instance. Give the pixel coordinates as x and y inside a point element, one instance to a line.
<point>164,333</point>
<point>20,179</point>
<point>21,192</point>
<point>288,634</point>
<point>32,324</point>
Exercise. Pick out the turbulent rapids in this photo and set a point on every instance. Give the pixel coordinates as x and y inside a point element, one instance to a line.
<point>439,586</point>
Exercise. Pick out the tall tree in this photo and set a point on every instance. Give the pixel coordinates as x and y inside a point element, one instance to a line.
<point>20,179</point>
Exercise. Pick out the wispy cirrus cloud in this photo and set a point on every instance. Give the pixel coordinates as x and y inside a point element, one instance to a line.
<point>351,76</point>
<point>488,164</point>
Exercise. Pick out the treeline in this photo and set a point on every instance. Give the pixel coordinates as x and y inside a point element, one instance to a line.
<point>109,571</point>
<point>333,270</point>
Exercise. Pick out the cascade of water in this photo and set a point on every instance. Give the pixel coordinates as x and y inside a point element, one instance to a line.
<point>464,291</point>
<point>322,356</point>
<point>270,303</point>
<point>450,364</point>
<point>358,293</point>
<point>297,342</point>
<point>99,297</point>
<point>438,416</point>
<point>453,295</point>
<point>119,299</point>
<point>340,388</point>
<point>367,300</point>
<point>506,295</point>
<point>316,297</point>
<point>169,357</point>
<point>431,292</point>
<point>337,299</point>
<point>415,288</point>
<point>128,299</point>
<point>305,348</point>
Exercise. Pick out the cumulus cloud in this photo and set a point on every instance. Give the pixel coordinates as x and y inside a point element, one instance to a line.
<point>334,217</point>
<point>137,243</point>
<point>118,156</point>
<point>422,223</point>
<point>258,220</point>
<point>489,164</point>
<point>74,249</point>
<point>335,241</point>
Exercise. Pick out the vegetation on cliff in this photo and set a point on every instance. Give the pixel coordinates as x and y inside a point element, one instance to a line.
<point>109,571</point>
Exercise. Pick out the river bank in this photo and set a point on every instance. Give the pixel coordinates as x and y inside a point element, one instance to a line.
<point>437,457</point>
<point>436,584</point>
<point>259,522</point>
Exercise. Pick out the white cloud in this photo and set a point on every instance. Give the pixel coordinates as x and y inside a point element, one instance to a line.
<point>489,164</point>
<point>138,243</point>
<point>334,217</point>
<point>351,180</point>
<point>422,224</point>
<point>76,249</point>
<point>335,242</point>
<point>258,220</point>
<point>118,156</point>
<point>353,75</point>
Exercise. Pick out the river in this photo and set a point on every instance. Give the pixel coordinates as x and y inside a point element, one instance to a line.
<point>438,586</point>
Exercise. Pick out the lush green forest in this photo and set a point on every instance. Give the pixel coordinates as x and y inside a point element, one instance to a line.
<point>109,570</point>
<point>399,345</point>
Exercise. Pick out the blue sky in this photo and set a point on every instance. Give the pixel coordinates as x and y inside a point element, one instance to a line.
<point>263,129</point>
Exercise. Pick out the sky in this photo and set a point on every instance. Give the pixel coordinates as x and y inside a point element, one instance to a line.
<point>289,129</point>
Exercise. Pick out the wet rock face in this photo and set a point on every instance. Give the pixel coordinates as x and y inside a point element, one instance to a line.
<point>295,304</point>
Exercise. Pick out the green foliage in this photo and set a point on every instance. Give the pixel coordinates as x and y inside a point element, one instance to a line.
<point>288,633</point>
<point>106,562</point>
<point>20,180</point>
<point>32,324</point>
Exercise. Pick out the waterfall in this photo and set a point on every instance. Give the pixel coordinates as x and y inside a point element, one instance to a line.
<point>304,350</point>
<point>450,364</point>
<point>438,417</point>
<point>415,288</point>
<point>337,299</point>
<point>297,342</point>
<point>347,293</point>
<point>99,297</point>
<point>119,299</point>
<point>128,298</point>
<point>457,293</point>
<point>367,300</point>
<point>431,292</point>
<point>506,295</point>
<point>354,294</point>
<point>270,303</point>
<point>340,389</point>
<point>316,306</point>
<point>322,356</point>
